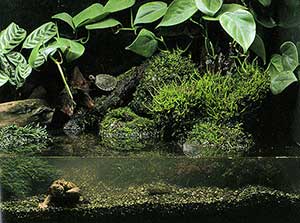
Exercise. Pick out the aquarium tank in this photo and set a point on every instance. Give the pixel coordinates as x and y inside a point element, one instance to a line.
<point>149,111</point>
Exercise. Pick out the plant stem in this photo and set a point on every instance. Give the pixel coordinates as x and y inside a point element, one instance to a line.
<point>58,64</point>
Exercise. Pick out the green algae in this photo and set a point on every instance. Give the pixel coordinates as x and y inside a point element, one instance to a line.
<point>139,200</point>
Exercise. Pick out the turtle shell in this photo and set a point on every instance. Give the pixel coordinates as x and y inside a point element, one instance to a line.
<point>106,82</point>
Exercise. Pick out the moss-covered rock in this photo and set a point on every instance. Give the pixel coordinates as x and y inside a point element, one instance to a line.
<point>162,69</point>
<point>210,139</point>
<point>122,129</point>
<point>214,97</point>
<point>25,140</point>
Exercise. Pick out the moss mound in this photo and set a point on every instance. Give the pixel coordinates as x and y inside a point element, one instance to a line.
<point>165,68</point>
<point>214,97</point>
<point>23,140</point>
<point>122,129</point>
<point>211,139</point>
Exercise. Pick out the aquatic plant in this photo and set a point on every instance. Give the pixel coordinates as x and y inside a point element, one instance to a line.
<point>217,140</point>
<point>24,176</point>
<point>23,140</point>
<point>122,129</point>
<point>161,69</point>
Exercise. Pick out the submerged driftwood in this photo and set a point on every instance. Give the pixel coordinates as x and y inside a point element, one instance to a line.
<point>25,112</point>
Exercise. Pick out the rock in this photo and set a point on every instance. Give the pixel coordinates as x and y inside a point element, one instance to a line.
<point>24,112</point>
<point>61,193</point>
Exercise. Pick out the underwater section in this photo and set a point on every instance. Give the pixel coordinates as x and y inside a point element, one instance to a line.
<point>164,189</point>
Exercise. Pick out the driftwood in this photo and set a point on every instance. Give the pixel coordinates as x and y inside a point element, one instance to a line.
<point>119,97</point>
<point>24,112</point>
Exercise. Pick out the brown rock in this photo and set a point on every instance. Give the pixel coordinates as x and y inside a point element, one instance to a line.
<point>25,112</point>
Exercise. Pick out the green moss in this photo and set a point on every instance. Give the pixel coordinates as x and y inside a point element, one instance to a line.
<point>122,129</point>
<point>211,139</point>
<point>23,140</point>
<point>214,97</point>
<point>160,70</point>
<point>137,201</point>
<point>22,177</point>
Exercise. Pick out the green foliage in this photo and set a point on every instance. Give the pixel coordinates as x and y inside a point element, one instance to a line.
<point>240,25</point>
<point>281,68</point>
<point>178,12</point>
<point>25,176</point>
<point>150,12</point>
<point>13,65</point>
<point>209,7</point>
<point>178,106</point>
<point>145,44</point>
<point>162,69</point>
<point>93,13</point>
<point>11,37</point>
<point>116,5</point>
<point>211,139</point>
<point>123,130</point>
<point>41,35</point>
<point>107,23</point>
<point>65,17</point>
<point>26,140</point>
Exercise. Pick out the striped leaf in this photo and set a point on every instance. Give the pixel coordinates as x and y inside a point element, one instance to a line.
<point>40,35</point>
<point>39,55</point>
<point>11,37</point>
<point>23,71</point>
<point>4,63</point>
<point>16,58</point>
<point>3,78</point>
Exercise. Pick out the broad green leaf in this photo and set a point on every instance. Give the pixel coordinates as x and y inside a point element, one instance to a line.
<point>11,37</point>
<point>40,35</point>
<point>145,44</point>
<point>258,47</point>
<point>265,2</point>
<point>275,65</point>
<point>71,49</point>
<point>16,58</point>
<point>23,70</point>
<point>240,25</point>
<point>225,8</point>
<point>36,59</point>
<point>209,7</point>
<point>3,78</point>
<point>65,17</point>
<point>107,23</point>
<point>118,5</point>
<point>281,81</point>
<point>94,13</point>
<point>289,56</point>
<point>178,12</point>
<point>150,12</point>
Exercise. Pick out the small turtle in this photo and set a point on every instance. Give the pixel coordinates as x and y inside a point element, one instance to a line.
<point>104,82</point>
